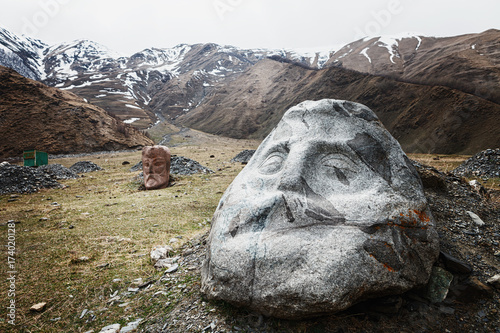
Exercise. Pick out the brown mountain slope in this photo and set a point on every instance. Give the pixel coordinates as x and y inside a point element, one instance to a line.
<point>470,63</point>
<point>33,115</point>
<point>422,118</point>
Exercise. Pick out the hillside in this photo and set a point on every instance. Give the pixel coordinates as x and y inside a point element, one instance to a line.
<point>33,115</point>
<point>470,63</point>
<point>422,118</point>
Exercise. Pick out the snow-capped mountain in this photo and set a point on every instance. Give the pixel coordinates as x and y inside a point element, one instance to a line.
<point>469,63</point>
<point>170,84</point>
<point>23,54</point>
<point>372,54</point>
<point>150,84</point>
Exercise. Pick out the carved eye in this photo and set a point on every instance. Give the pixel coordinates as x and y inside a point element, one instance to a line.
<point>339,167</point>
<point>272,164</point>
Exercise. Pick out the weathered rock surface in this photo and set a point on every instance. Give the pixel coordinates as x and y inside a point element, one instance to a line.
<point>328,212</point>
<point>156,167</point>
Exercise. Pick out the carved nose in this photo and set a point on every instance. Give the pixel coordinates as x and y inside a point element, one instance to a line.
<point>291,178</point>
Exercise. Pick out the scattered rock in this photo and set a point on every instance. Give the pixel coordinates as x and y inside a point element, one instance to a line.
<point>484,164</point>
<point>244,156</point>
<point>130,327</point>
<point>438,285</point>
<point>165,263</point>
<point>477,187</point>
<point>84,312</point>
<point>495,281</point>
<point>160,252</point>
<point>39,307</point>
<point>84,166</point>
<point>455,265</point>
<point>114,328</point>
<point>476,219</point>
<point>431,177</point>
<point>172,269</point>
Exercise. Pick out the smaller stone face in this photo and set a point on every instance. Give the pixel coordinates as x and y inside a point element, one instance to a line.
<point>156,167</point>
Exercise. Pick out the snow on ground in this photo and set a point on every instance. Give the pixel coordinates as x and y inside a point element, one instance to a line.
<point>131,120</point>
<point>85,84</point>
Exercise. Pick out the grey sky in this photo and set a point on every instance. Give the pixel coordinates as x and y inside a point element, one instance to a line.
<point>130,26</point>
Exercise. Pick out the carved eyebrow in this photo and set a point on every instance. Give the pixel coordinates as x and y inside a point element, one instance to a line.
<point>329,148</point>
<point>282,146</point>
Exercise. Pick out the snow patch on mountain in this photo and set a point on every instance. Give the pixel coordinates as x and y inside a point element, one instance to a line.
<point>364,52</point>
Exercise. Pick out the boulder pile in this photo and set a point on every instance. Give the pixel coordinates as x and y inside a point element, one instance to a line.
<point>24,179</point>
<point>244,156</point>
<point>184,166</point>
<point>58,171</point>
<point>84,166</point>
<point>180,165</point>
<point>484,164</point>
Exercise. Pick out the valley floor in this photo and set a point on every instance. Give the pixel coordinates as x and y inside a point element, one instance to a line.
<point>84,250</point>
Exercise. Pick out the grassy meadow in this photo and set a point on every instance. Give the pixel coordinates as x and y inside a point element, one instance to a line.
<point>78,245</point>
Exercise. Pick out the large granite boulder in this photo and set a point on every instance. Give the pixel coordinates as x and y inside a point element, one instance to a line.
<point>328,212</point>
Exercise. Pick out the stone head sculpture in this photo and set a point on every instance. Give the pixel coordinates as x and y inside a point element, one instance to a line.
<point>156,167</point>
<point>328,212</point>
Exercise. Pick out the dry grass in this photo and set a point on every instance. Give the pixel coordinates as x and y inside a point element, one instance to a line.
<point>443,163</point>
<point>104,217</point>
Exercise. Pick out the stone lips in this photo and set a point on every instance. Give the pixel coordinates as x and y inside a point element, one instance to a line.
<point>328,212</point>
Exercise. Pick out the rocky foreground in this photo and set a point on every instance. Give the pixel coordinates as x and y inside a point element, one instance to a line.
<point>468,266</point>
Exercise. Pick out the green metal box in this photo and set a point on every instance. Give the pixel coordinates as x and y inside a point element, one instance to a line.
<point>35,158</point>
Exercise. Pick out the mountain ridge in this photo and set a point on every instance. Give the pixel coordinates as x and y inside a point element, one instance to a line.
<point>177,85</point>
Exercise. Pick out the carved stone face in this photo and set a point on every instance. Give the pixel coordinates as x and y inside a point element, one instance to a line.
<point>328,207</point>
<point>156,167</point>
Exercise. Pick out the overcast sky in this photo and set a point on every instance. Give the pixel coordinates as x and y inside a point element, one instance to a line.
<point>129,26</point>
